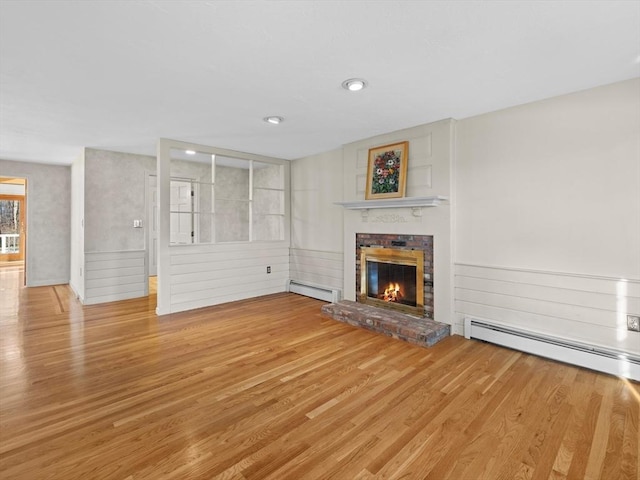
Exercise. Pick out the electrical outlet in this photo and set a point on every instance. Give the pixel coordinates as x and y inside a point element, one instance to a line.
<point>269,269</point>
<point>633,323</point>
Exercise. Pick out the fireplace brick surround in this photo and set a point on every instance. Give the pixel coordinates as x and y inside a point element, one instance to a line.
<point>419,330</point>
<point>401,242</point>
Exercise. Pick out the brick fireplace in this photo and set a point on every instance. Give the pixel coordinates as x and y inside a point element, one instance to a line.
<point>414,256</point>
<point>416,324</point>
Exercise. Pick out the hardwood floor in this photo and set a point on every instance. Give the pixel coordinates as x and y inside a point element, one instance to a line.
<point>268,389</point>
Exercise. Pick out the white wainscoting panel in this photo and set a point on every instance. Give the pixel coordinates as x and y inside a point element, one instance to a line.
<point>112,276</point>
<point>317,267</point>
<point>582,308</point>
<point>203,275</point>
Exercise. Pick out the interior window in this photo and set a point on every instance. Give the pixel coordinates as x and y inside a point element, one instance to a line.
<point>217,199</point>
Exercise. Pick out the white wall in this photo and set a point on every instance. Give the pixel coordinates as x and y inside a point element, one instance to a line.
<point>48,224</point>
<point>316,254</point>
<point>114,197</point>
<point>548,215</point>
<point>76,281</point>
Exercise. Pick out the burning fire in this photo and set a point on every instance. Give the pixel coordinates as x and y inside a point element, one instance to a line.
<point>392,293</point>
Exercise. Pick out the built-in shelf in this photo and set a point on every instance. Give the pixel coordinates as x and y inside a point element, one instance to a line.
<point>410,202</point>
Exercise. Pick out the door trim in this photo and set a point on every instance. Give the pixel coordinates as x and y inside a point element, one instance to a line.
<point>21,255</point>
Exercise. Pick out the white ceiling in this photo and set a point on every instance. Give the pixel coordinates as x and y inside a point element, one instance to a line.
<point>120,75</point>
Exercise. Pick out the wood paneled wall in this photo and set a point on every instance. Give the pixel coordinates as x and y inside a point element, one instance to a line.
<point>317,267</point>
<point>111,276</point>
<point>204,275</point>
<point>584,308</point>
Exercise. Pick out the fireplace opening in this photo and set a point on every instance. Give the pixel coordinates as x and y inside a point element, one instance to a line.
<point>393,278</point>
<point>390,282</point>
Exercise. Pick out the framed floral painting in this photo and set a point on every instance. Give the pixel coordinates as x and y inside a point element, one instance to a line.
<point>387,171</point>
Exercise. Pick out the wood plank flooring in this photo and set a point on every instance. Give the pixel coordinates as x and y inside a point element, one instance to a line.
<point>268,389</point>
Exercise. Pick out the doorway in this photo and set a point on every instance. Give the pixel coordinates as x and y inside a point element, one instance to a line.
<point>13,225</point>
<point>183,226</point>
<point>183,209</point>
<point>12,219</point>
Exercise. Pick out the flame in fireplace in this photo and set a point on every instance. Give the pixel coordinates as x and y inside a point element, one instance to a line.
<point>392,293</point>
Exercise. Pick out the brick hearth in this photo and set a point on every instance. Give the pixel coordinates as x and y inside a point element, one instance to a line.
<point>419,331</point>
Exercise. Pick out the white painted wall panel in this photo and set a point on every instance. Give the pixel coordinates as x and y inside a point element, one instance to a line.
<point>107,273</point>
<point>228,266</point>
<point>565,290</point>
<point>587,283</point>
<point>202,275</point>
<point>112,276</point>
<point>115,263</point>
<point>228,289</point>
<point>219,276</point>
<point>111,281</point>
<point>317,267</point>
<point>552,303</point>
<point>316,184</point>
<point>317,222</point>
<point>229,252</point>
<point>256,291</point>
<point>567,311</point>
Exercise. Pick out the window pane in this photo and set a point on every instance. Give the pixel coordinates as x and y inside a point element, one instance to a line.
<point>268,227</point>
<point>232,199</point>
<point>181,228</point>
<point>9,226</point>
<point>232,183</point>
<point>266,175</point>
<point>232,221</point>
<point>191,197</point>
<point>223,199</point>
<point>268,202</point>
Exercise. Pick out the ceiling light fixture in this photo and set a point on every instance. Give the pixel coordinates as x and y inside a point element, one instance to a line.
<point>273,120</point>
<point>190,152</point>
<point>354,84</point>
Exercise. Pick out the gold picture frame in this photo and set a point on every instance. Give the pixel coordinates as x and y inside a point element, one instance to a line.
<point>387,171</point>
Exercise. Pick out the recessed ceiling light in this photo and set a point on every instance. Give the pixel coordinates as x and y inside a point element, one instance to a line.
<point>190,152</point>
<point>354,84</point>
<point>273,120</point>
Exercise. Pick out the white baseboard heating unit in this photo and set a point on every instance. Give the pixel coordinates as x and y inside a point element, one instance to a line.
<point>621,364</point>
<point>312,290</point>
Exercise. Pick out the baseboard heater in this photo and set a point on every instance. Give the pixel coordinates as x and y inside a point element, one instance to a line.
<point>312,290</point>
<point>598,358</point>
